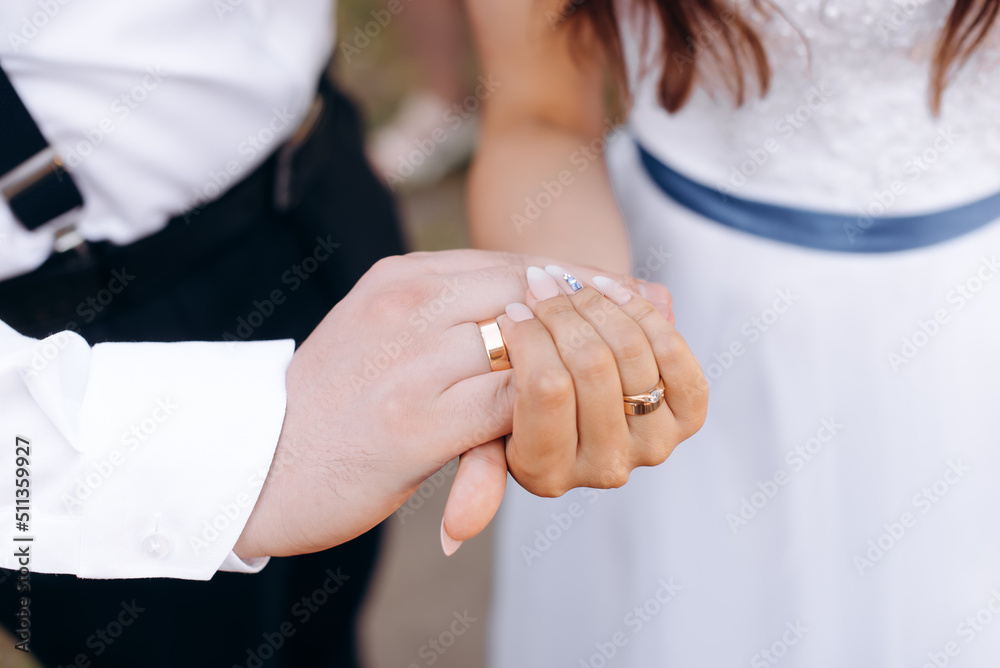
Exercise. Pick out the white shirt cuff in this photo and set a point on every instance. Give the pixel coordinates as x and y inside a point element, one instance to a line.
<point>146,459</point>
<point>234,564</point>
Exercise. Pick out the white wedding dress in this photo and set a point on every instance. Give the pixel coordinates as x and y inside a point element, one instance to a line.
<point>841,506</point>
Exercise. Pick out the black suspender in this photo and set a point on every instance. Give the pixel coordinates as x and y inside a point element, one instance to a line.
<point>33,179</point>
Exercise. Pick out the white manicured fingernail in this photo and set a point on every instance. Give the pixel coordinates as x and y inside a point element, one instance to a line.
<point>555,271</point>
<point>612,289</point>
<point>519,312</point>
<point>542,285</point>
<point>448,544</point>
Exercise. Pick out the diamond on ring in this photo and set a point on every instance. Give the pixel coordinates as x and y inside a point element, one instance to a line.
<point>573,283</point>
<point>643,404</point>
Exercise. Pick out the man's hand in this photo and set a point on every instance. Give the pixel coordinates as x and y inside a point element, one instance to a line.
<point>392,385</point>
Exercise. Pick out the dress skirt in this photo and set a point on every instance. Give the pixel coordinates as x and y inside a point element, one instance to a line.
<point>841,505</point>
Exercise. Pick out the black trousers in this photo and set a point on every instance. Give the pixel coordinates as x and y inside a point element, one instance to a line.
<point>285,615</point>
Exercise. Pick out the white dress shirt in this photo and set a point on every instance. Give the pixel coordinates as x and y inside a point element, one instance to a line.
<point>152,105</point>
<point>146,459</point>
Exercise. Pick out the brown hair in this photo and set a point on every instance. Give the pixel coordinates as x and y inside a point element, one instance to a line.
<point>708,36</point>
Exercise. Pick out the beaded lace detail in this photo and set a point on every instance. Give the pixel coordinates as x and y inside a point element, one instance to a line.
<point>848,113</point>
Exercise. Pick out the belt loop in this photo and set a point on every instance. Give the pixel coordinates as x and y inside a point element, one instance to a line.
<point>68,239</point>
<point>284,177</point>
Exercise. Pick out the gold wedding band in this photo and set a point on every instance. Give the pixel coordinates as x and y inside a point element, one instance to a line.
<point>495,348</point>
<point>641,404</point>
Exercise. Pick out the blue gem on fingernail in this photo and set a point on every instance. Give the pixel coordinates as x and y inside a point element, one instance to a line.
<point>573,283</point>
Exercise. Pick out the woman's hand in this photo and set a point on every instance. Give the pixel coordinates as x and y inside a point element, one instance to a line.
<point>391,386</point>
<point>574,356</point>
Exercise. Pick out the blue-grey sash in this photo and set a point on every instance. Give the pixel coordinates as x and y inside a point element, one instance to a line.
<point>819,229</point>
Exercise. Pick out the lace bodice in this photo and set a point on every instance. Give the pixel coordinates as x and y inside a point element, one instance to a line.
<point>847,121</point>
